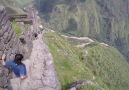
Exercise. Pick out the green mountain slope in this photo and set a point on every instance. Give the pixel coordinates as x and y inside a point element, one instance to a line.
<point>14,6</point>
<point>16,2</point>
<point>108,64</point>
<point>105,63</point>
<point>104,20</point>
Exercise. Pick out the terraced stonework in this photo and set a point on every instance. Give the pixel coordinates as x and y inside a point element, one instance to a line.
<point>37,57</point>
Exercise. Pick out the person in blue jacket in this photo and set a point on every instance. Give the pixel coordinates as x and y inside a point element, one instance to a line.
<point>16,65</point>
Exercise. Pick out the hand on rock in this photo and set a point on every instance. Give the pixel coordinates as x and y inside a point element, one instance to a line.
<point>3,57</point>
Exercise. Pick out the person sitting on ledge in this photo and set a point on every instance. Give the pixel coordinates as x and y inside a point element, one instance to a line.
<point>16,65</point>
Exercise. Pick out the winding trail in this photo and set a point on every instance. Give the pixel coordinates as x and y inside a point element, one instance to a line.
<point>80,38</point>
<point>40,66</point>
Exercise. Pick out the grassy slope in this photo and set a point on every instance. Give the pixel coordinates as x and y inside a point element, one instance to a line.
<point>66,58</point>
<point>109,65</point>
<point>104,20</point>
<point>17,28</point>
<point>105,63</point>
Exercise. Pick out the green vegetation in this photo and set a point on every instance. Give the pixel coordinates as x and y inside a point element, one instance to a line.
<point>109,65</point>
<point>14,6</point>
<point>104,20</point>
<point>17,28</point>
<point>66,58</point>
<point>105,63</point>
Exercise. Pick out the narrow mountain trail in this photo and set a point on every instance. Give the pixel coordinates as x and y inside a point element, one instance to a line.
<point>40,68</point>
<point>77,38</point>
<point>81,39</point>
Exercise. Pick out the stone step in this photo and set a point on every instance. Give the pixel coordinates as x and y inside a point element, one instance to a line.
<point>26,21</point>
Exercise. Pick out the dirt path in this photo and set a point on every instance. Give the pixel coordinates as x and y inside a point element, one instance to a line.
<point>80,38</point>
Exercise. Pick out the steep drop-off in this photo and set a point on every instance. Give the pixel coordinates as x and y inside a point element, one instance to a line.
<point>98,63</point>
<point>104,20</point>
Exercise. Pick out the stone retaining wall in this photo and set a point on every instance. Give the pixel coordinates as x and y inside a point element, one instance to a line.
<point>10,43</point>
<point>37,57</point>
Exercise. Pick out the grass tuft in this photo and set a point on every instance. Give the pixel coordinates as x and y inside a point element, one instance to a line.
<point>17,28</point>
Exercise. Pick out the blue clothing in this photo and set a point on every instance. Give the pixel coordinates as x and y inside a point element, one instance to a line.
<point>19,70</point>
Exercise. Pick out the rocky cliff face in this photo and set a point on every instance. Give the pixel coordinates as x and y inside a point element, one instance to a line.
<point>106,21</point>
<point>39,63</point>
<point>10,43</point>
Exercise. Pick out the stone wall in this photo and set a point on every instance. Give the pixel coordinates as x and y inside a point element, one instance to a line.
<point>37,57</point>
<point>10,43</point>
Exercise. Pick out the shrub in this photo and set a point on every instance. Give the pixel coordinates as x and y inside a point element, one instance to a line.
<point>17,28</point>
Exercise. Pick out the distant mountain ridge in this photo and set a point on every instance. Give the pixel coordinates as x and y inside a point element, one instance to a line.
<point>104,20</point>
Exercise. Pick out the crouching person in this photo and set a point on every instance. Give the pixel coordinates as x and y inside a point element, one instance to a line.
<point>16,65</point>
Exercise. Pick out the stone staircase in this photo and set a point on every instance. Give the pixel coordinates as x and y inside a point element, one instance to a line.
<point>40,68</point>
<point>20,18</point>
